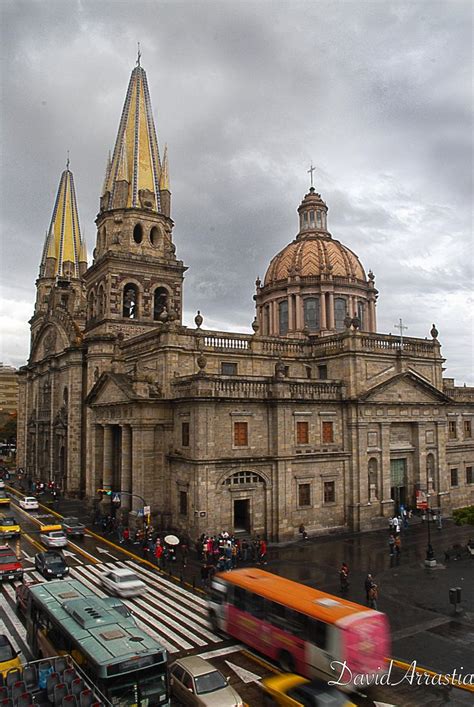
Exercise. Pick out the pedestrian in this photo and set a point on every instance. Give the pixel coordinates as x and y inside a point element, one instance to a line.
<point>373,596</point>
<point>368,583</point>
<point>390,524</point>
<point>205,574</point>
<point>125,536</point>
<point>344,577</point>
<point>391,545</point>
<point>302,531</point>
<point>398,545</point>
<point>405,518</point>
<point>158,553</point>
<point>396,525</point>
<point>262,558</point>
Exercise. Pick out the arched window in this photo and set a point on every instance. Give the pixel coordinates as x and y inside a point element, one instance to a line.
<point>311,218</point>
<point>138,233</point>
<point>339,313</point>
<point>130,301</point>
<point>101,302</point>
<point>283,317</point>
<point>311,313</point>
<point>91,306</point>
<point>154,236</point>
<point>243,477</point>
<point>318,218</point>
<point>160,302</point>
<point>65,396</point>
<point>361,314</point>
<point>373,481</point>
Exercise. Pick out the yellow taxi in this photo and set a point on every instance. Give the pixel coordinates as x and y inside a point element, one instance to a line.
<point>8,656</point>
<point>290,690</point>
<point>4,498</point>
<point>9,528</point>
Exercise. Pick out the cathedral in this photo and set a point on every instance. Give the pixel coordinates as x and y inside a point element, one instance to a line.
<point>315,418</point>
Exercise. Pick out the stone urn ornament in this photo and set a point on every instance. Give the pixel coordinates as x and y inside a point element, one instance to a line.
<point>255,326</point>
<point>434,332</point>
<point>198,320</point>
<point>348,321</point>
<point>201,362</point>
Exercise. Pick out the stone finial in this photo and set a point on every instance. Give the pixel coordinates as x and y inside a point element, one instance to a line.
<point>279,369</point>
<point>348,321</point>
<point>163,316</point>
<point>434,332</point>
<point>306,330</point>
<point>371,276</point>
<point>355,321</point>
<point>255,326</point>
<point>258,282</point>
<point>198,320</point>
<point>201,362</point>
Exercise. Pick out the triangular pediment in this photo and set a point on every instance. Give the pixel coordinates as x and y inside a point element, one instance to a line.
<point>111,388</point>
<point>405,388</point>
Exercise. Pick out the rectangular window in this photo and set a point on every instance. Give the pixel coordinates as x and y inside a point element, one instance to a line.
<point>317,632</point>
<point>469,475</point>
<point>283,317</point>
<point>304,495</point>
<point>452,429</point>
<point>329,492</point>
<point>241,434</point>
<point>183,503</point>
<point>185,434</point>
<point>302,432</point>
<point>328,432</point>
<point>467,428</point>
<point>454,477</point>
<point>323,372</point>
<point>228,369</point>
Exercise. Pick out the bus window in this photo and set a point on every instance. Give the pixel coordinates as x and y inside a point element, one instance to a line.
<point>239,598</point>
<point>276,615</point>
<point>296,623</point>
<point>317,632</point>
<point>256,606</point>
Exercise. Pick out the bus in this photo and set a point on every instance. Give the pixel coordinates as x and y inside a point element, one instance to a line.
<point>128,666</point>
<point>305,630</point>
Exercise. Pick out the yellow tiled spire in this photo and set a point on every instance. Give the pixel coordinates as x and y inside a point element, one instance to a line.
<point>165,177</point>
<point>136,157</point>
<point>63,240</point>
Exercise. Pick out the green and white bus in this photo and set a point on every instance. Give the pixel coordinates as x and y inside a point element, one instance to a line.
<point>128,666</point>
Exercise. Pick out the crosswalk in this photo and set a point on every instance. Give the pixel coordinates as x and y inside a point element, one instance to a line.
<point>169,613</point>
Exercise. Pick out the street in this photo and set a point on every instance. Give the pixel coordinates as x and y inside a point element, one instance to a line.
<point>424,627</point>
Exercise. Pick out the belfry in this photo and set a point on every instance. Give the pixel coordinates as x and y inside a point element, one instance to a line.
<point>313,419</point>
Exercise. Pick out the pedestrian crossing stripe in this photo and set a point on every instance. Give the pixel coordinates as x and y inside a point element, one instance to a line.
<point>169,613</point>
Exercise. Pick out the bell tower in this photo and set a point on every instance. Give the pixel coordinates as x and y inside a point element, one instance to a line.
<point>135,281</point>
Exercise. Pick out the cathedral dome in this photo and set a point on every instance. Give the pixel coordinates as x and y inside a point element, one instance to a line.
<point>312,257</point>
<point>315,284</point>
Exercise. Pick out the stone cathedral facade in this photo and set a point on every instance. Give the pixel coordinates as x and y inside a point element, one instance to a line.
<point>315,418</point>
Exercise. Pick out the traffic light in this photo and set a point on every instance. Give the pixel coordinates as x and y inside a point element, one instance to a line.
<point>101,493</point>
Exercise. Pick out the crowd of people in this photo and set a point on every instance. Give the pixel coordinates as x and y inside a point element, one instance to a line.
<point>225,552</point>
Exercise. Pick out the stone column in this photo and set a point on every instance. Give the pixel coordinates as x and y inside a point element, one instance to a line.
<point>323,310</point>
<point>385,466</point>
<point>98,458</point>
<point>107,463</point>
<point>274,331</point>
<point>126,466</point>
<point>442,478</point>
<point>291,318</point>
<point>330,312</point>
<point>299,312</point>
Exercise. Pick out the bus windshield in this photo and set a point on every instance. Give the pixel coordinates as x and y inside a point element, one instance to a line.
<point>125,690</point>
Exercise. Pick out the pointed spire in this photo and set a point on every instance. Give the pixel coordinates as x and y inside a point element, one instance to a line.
<point>164,176</point>
<point>83,253</point>
<point>136,157</point>
<point>63,242</point>
<point>107,172</point>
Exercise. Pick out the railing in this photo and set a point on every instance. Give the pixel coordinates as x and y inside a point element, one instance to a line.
<point>215,341</point>
<point>259,388</point>
<point>392,343</point>
<point>460,394</point>
<point>283,346</point>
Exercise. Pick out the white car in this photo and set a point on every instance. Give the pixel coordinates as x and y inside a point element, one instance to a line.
<point>123,582</point>
<point>29,503</point>
<point>53,538</point>
<point>2,484</point>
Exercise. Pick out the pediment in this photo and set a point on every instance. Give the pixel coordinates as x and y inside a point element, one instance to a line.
<point>110,389</point>
<point>405,388</point>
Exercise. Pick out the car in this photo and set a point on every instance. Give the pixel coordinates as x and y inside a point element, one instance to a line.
<point>290,690</point>
<point>10,564</point>
<point>53,536</point>
<point>195,681</point>
<point>29,503</point>
<point>4,498</point>
<point>9,528</point>
<point>72,527</point>
<point>2,484</point>
<point>51,564</point>
<point>8,655</point>
<point>123,582</point>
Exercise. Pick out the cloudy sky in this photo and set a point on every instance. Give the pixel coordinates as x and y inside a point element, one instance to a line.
<point>378,95</point>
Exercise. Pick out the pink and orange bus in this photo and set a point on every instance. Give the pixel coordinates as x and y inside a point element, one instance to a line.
<point>306,631</point>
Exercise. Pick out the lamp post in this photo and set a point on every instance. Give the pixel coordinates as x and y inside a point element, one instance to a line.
<point>430,559</point>
<point>111,493</point>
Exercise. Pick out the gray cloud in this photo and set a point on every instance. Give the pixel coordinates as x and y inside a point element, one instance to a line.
<point>378,95</point>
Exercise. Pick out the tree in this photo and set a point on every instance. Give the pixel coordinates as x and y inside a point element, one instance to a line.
<point>8,428</point>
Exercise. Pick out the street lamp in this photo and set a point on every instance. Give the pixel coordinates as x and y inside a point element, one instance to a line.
<point>430,558</point>
<point>118,494</point>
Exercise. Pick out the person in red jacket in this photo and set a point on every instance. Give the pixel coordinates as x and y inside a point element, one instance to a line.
<point>262,556</point>
<point>158,553</point>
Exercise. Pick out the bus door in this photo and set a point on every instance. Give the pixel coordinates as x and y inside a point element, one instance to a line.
<point>320,648</point>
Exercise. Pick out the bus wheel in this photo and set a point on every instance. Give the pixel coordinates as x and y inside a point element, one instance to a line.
<point>287,662</point>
